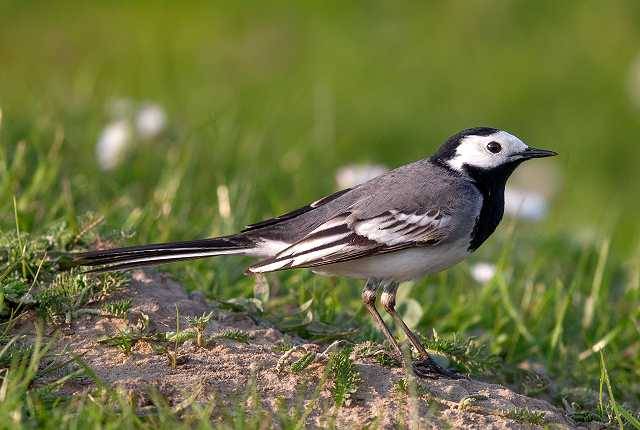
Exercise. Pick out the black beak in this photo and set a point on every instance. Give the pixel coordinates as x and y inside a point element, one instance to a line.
<point>537,153</point>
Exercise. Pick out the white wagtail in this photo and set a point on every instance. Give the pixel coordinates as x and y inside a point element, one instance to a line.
<point>418,219</point>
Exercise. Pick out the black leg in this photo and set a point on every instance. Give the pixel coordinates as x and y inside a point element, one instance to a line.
<point>424,367</point>
<point>369,294</point>
<point>388,300</point>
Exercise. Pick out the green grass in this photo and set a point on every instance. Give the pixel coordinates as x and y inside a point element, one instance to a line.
<point>118,308</point>
<point>526,416</point>
<point>237,335</point>
<point>268,100</point>
<point>343,375</point>
<point>303,362</point>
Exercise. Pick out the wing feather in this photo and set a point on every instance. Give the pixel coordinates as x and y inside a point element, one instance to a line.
<point>346,237</point>
<point>293,214</point>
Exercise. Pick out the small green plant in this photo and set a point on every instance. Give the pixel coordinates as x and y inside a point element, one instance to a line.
<point>105,284</point>
<point>387,360</point>
<point>237,335</point>
<point>526,415</point>
<point>72,290</point>
<point>199,324</point>
<point>124,340</point>
<point>400,386</point>
<point>343,374</point>
<point>68,292</point>
<point>178,338</point>
<point>304,362</point>
<point>29,271</point>
<point>118,308</point>
<point>172,354</point>
<point>283,346</point>
<point>466,354</point>
<point>471,400</point>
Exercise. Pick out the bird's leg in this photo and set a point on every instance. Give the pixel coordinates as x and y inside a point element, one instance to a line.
<point>388,300</point>
<point>369,294</point>
<point>424,367</point>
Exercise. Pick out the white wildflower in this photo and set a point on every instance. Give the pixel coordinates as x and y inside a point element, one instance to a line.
<point>112,144</point>
<point>525,204</point>
<point>355,174</point>
<point>151,121</point>
<point>483,272</point>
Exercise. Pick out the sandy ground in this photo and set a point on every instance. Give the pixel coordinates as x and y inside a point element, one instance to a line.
<point>225,369</point>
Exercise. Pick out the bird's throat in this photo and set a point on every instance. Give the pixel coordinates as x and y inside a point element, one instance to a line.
<point>491,184</point>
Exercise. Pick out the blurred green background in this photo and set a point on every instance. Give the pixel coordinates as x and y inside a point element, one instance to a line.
<point>277,95</point>
<point>270,98</point>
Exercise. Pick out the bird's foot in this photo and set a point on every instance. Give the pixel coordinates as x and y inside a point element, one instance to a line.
<point>425,367</point>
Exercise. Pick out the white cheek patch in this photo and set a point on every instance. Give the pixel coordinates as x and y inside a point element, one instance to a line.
<point>473,151</point>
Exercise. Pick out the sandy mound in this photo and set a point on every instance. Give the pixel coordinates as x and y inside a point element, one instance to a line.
<point>226,369</point>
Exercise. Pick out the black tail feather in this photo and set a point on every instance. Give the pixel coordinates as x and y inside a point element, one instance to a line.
<point>145,255</point>
<point>133,265</point>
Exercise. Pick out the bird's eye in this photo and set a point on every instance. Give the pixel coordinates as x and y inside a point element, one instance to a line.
<point>494,147</point>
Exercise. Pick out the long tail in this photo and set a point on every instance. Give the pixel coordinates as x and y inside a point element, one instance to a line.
<point>146,255</point>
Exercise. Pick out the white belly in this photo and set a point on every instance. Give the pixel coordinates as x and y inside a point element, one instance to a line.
<point>402,265</point>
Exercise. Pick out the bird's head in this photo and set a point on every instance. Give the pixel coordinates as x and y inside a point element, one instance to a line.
<point>486,150</point>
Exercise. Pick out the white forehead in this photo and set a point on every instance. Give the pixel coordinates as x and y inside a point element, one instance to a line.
<point>473,151</point>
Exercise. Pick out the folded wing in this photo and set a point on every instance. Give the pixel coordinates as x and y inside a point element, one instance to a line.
<point>347,237</point>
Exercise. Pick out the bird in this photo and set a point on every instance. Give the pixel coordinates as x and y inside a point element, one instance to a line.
<point>416,220</point>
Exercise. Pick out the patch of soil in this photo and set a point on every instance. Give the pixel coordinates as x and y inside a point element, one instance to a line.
<point>225,368</point>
